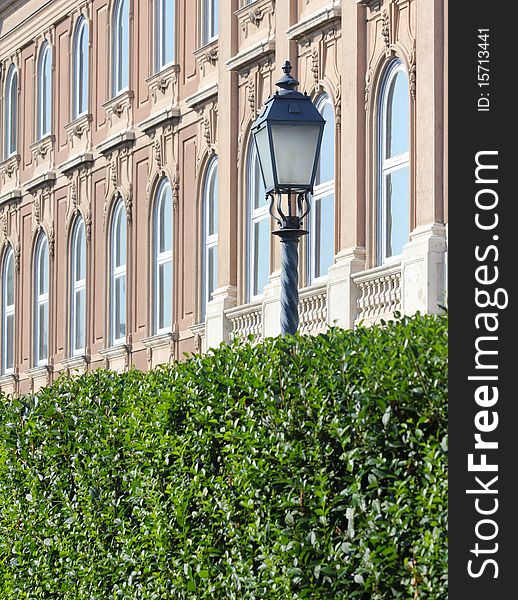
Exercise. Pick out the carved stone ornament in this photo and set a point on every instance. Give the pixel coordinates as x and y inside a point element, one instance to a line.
<point>368,81</point>
<point>385,30</point>
<point>157,150</point>
<point>52,241</point>
<point>412,73</point>
<point>314,64</point>
<point>338,107</point>
<point>251,94</point>
<point>175,188</point>
<point>211,56</point>
<point>256,16</point>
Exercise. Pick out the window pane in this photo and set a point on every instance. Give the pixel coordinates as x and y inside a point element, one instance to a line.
<point>120,238</point>
<point>323,235</point>
<point>119,309</point>
<point>398,117</point>
<point>165,288</point>
<point>214,29</point>
<point>165,216</point>
<point>80,256</point>
<point>168,31</point>
<point>213,203</point>
<point>47,91</point>
<point>79,314</point>
<point>9,342</point>
<point>212,272</point>
<point>261,255</point>
<point>326,165</point>
<point>43,274</point>
<point>258,190</point>
<point>397,210</point>
<point>83,71</point>
<point>43,330</point>
<point>9,284</point>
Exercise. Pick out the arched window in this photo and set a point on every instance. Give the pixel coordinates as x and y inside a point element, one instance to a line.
<point>210,20</point>
<point>44,91</point>
<point>258,228</point>
<point>41,301</point>
<point>120,66</point>
<point>80,92</point>
<point>165,33</point>
<point>163,258</point>
<point>78,289</point>
<point>210,234</point>
<point>118,275</point>
<point>8,312</point>
<point>393,163</point>
<point>322,214</point>
<point>11,112</point>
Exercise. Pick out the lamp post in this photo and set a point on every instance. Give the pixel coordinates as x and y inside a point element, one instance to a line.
<point>288,134</point>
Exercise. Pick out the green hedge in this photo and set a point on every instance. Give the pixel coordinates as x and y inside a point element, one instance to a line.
<point>306,467</point>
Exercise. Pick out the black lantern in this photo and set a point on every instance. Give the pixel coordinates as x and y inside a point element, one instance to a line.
<point>287,135</point>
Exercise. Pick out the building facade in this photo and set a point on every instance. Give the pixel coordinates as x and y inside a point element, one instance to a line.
<point>133,224</point>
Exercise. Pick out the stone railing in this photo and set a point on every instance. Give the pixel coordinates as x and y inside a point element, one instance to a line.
<point>313,309</point>
<point>245,320</point>
<point>379,293</point>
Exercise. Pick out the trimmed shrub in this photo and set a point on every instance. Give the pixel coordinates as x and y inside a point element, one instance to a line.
<point>303,467</point>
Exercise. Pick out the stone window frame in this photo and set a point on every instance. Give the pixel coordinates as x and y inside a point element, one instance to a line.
<point>161,258</point>
<point>117,273</point>
<point>116,87</point>
<point>208,8</point>
<point>40,299</point>
<point>160,30</point>
<point>81,26</point>
<point>319,192</point>
<point>387,76</point>
<point>44,111</point>
<point>254,216</point>
<point>77,286</point>
<point>8,310</point>
<point>10,145</point>
<point>209,240</point>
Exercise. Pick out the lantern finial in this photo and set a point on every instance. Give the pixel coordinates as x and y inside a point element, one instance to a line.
<point>287,82</point>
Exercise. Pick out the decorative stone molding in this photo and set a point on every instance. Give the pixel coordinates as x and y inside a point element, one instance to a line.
<point>164,341</point>
<point>246,320</point>
<point>207,58</point>
<point>321,17</point>
<point>199,337</point>
<point>164,83</point>
<point>76,363</point>
<point>257,15</point>
<point>379,293</point>
<point>40,377</point>
<point>251,54</point>
<point>119,111</point>
<point>76,162</point>
<point>78,127</point>
<point>116,357</point>
<point>313,309</point>
<point>10,173</point>
<point>163,117</point>
<point>412,72</point>
<point>46,178</point>
<point>203,95</point>
<point>122,138</point>
<point>42,151</point>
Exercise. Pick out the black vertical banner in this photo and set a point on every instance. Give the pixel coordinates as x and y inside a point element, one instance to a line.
<point>482,300</point>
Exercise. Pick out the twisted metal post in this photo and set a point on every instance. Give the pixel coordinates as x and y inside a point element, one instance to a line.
<point>289,232</point>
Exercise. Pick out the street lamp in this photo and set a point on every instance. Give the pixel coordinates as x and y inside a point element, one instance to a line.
<point>287,134</point>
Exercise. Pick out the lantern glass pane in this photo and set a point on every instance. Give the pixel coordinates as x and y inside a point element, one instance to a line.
<point>296,148</point>
<point>265,157</point>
